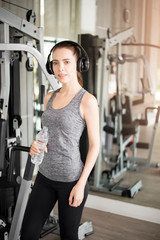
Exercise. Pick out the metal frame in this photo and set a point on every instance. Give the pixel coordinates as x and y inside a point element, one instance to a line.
<point>5,73</point>
<point>24,191</point>
<point>124,162</point>
<point>32,32</point>
<point>5,70</point>
<point>36,54</point>
<point>11,24</point>
<point>20,24</point>
<point>115,41</point>
<point>139,163</point>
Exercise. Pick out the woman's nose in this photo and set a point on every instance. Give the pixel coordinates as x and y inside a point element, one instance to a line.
<point>61,67</point>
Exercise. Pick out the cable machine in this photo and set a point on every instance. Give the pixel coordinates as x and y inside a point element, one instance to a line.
<point>124,129</point>
<point>13,29</point>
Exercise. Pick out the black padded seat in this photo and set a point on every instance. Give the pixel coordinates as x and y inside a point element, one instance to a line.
<point>131,128</point>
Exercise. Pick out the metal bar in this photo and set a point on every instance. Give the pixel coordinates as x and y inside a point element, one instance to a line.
<point>22,200</point>
<point>108,43</point>
<point>119,109</point>
<point>119,37</point>
<point>5,70</point>
<point>19,23</point>
<point>20,209</point>
<point>102,105</point>
<point>36,54</point>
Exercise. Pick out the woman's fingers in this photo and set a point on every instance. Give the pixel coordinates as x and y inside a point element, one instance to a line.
<point>34,149</point>
<point>74,200</point>
<point>75,203</point>
<point>45,149</point>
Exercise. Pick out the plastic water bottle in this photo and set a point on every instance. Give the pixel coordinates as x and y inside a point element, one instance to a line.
<point>41,142</point>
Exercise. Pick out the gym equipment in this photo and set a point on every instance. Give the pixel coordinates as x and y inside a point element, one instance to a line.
<point>82,63</point>
<point>3,230</point>
<point>138,163</point>
<point>3,127</point>
<point>130,140</point>
<point>52,226</point>
<point>9,183</point>
<point>92,44</point>
<point>130,127</point>
<point>118,124</point>
<point>101,49</point>
<point>22,197</point>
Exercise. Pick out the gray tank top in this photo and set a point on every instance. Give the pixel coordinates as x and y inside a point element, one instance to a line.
<point>62,162</point>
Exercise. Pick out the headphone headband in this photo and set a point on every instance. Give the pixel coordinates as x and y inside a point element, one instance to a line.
<point>82,63</point>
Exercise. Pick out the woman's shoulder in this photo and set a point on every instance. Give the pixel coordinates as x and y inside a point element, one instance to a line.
<point>48,95</point>
<point>89,107</point>
<point>89,98</point>
<point>89,103</point>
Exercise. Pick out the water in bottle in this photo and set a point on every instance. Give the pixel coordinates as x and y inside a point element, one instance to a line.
<point>41,142</point>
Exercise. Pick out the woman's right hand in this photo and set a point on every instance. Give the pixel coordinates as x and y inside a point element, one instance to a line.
<point>34,149</point>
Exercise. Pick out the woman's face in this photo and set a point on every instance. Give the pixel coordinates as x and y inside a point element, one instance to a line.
<point>65,65</point>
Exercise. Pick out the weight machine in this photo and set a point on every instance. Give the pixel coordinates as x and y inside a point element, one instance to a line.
<point>15,191</point>
<point>125,130</point>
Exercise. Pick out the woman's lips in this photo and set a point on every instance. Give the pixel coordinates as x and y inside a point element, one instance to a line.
<point>62,75</point>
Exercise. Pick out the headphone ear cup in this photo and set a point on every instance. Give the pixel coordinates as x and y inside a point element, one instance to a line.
<point>49,67</point>
<point>85,64</point>
<point>79,65</point>
<point>82,64</point>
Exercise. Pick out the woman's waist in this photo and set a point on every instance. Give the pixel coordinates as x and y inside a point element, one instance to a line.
<point>62,154</point>
<point>59,148</point>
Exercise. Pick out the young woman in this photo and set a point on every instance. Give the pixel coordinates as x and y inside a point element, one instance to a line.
<point>62,175</point>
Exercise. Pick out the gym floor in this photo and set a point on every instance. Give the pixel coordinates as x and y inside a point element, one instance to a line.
<point>108,226</point>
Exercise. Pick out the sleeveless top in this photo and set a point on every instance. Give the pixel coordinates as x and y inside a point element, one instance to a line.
<point>62,162</point>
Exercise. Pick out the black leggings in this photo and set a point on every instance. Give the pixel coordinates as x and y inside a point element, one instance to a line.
<point>43,197</point>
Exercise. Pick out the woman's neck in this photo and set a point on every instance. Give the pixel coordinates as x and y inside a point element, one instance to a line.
<point>70,89</point>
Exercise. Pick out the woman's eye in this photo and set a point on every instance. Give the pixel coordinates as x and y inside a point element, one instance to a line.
<point>55,63</point>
